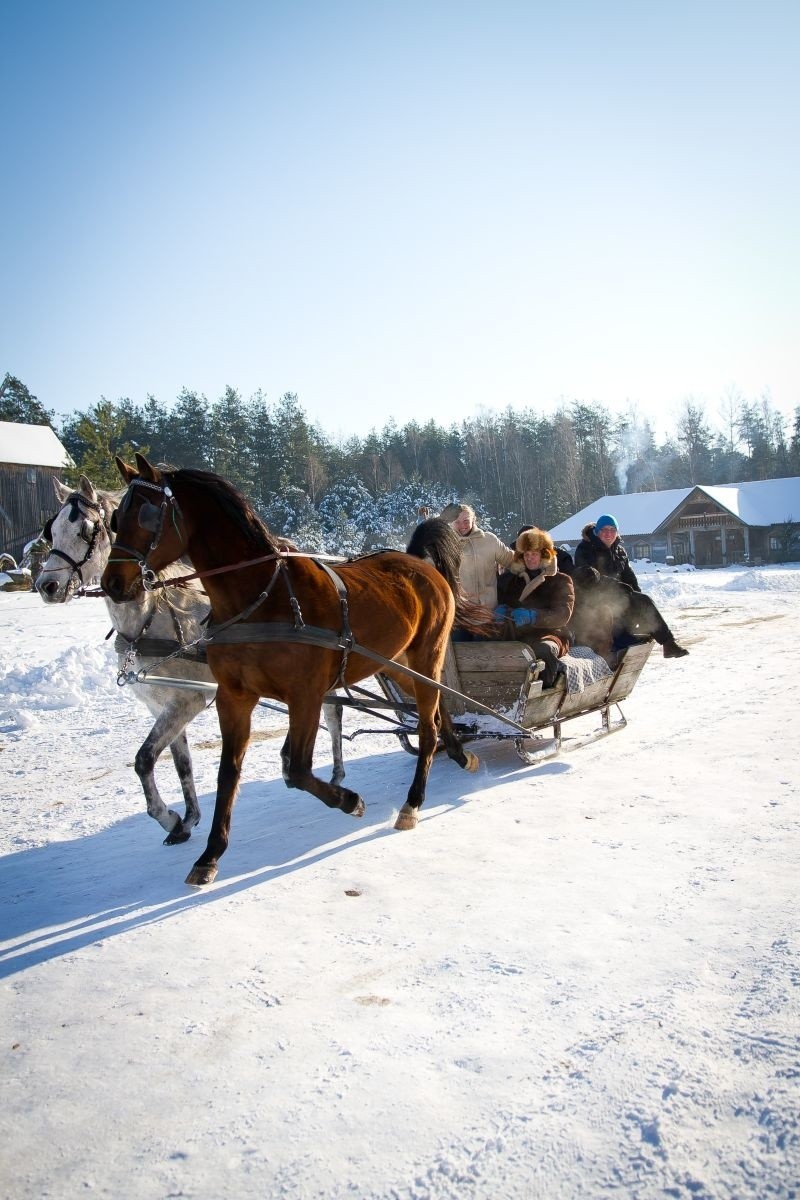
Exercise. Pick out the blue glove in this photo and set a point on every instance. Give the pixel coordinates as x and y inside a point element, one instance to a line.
<point>524,616</point>
<point>502,610</point>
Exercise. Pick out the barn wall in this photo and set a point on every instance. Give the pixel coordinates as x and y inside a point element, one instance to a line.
<point>26,501</point>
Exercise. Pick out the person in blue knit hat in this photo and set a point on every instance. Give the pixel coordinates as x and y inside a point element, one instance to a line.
<point>600,547</point>
<point>604,578</point>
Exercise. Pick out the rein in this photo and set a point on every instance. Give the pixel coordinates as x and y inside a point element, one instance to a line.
<point>153,585</point>
<point>181,580</point>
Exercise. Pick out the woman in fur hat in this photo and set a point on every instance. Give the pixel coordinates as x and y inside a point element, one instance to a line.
<point>536,600</point>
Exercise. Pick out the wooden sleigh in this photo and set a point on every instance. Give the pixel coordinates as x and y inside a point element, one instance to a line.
<point>492,690</point>
<point>501,680</point>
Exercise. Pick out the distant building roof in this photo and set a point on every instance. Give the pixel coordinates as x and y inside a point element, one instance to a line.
<point>31,446</point>
<point>767,502</point>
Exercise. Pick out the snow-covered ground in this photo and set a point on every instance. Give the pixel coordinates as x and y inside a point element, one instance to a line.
<point>575,980</point>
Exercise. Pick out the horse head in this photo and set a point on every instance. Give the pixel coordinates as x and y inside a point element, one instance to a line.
<point>167,514</point>
<point>149,529</point>
<point>80,538</point>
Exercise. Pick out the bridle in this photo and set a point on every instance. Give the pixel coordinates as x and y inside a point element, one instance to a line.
<point>75,499</point>
<point>151,517</point>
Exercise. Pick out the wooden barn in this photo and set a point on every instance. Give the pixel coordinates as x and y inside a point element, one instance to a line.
<point>30,455</point>
<point>707,526</point>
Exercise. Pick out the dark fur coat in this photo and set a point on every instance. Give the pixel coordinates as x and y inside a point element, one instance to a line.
<point>547,591</point>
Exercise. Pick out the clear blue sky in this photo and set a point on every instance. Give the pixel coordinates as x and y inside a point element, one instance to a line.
<point>402,210</point>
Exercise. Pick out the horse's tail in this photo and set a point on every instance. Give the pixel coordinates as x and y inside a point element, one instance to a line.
<point>435,540</point>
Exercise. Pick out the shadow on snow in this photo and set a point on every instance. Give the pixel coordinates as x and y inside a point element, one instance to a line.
<point>62,897</point>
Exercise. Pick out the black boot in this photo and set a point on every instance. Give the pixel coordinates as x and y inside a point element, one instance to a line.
<point>547,653</point>
<point>673,650</point>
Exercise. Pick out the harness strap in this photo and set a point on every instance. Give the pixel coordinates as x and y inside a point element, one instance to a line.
<point>346,639</point>
<point>312,635</point>
<point>75,566</point>
<point>159,647</point>
<point>176,625</point>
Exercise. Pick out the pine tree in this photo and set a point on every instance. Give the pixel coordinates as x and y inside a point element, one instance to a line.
<point>187,432</point>
<point>17,404</point>
<point>94,439</point>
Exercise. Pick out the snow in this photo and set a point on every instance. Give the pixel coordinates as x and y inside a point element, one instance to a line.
<point>762,502</point>
<point>574,980</point>
<point>31,445</point>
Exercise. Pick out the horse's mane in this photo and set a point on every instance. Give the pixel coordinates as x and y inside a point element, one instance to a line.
<point>108,498</point>
<point>436,540</point>
<point>233,504</point>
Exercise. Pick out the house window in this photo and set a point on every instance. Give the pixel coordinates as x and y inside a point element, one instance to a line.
<point>774,543</point>
<point>31,475</point>
<point>641,550</point>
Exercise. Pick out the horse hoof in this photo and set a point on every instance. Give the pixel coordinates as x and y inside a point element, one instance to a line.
<point>473,762</point>
<point>407,818</point>
<point>199,876</point>
<point>352,804</point>
<point>177,836</point>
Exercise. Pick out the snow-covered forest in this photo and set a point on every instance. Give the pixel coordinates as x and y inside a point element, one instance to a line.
<point>514,467</point>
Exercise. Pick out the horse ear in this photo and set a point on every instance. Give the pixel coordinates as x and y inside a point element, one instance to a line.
<point>87,489</point>
<point>62,490</point>
<point>146,469</point>
<point>127,473</point>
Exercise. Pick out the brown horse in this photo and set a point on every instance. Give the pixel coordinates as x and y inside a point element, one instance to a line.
<point>286,627</point>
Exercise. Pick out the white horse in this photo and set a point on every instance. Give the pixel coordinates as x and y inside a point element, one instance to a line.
<point>148,629</point>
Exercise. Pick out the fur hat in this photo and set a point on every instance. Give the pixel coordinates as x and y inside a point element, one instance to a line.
<point>535,539</point>
<point>451,512</point>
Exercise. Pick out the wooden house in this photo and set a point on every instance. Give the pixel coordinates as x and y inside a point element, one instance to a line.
<point>30,455</point>
<point>707,526</point>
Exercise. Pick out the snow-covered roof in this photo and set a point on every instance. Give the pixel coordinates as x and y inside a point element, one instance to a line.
<point>637,512</point>
<point>767,502</point>
<point>31,446</point>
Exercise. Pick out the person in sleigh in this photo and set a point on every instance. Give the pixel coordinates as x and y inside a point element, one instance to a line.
<point>535,600</point>
<point>611,611</point>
